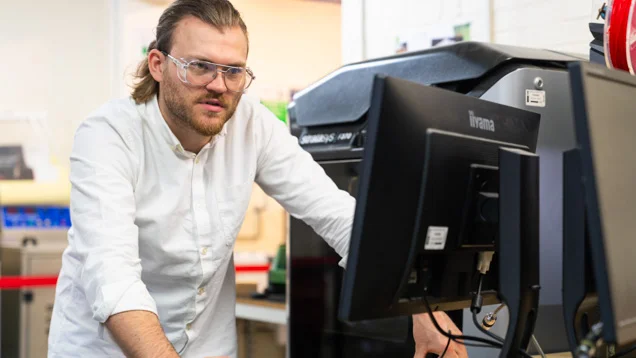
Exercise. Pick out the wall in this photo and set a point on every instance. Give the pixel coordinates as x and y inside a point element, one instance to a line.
<point>558,25</point>
<point>293,42</point>
<point>380,26</point>
<point>52,64</point>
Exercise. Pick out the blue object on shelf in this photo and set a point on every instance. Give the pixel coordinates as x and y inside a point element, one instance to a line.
<point>36,217</point>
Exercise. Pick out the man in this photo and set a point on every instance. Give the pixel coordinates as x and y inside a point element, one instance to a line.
<point>160,187</point>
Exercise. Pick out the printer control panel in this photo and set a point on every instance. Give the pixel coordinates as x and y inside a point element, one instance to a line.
<point>345,138</point>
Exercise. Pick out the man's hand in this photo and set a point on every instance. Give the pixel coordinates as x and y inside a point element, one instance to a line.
<point>429,340</point>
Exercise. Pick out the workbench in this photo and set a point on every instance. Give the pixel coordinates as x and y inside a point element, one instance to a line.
<point>261,310</point>
<point>260,323</point>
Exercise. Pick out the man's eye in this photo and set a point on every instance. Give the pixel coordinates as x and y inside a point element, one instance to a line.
<point>199,66</point>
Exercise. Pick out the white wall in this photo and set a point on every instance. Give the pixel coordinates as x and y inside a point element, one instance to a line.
<point>552,24</point>
<point>137,20</point>
<point>56,59</point>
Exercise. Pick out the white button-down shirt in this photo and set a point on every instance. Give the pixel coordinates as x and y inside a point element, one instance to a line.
<point>154,225</point>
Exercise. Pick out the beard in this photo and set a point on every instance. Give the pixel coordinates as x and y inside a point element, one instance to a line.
<point>183,108</point>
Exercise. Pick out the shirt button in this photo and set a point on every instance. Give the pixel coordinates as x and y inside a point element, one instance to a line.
<point>189,326</point>
<point>204,251</point>
<point>201,291</point>
<point>197,160</point>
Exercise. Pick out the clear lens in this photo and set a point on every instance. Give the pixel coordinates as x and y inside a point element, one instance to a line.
<point>235,79</point>
<point>201,73</point>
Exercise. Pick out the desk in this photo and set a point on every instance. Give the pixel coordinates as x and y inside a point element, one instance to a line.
<point>260,323</point>
<point>261,310</point>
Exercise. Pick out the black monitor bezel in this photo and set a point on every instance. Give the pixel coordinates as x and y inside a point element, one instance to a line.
<point>579,73</point>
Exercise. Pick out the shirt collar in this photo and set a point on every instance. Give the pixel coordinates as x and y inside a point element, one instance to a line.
<point>155,116</point>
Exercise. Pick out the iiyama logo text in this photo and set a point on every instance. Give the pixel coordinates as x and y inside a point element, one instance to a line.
<point>481,123</point>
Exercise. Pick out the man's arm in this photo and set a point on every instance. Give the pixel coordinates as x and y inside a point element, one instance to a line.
<point>105,238</point>
<point>289,174</point>
<point>139,334</point>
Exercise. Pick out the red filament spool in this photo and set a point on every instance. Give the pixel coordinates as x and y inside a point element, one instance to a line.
<point>618,34</point>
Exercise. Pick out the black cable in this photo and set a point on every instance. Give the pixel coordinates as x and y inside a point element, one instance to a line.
<point>474,345</point>
<point>469,344</point>
<point>446,349</point>
<point>454,337</point>
<point>477,345</point>
<point>475,307</point>
<point>625,352</point>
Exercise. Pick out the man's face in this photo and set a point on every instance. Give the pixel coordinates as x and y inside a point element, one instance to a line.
<point>203,109</point>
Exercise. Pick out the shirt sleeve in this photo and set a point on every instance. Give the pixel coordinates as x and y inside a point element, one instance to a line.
<point>290,175</point>
<point>104,235</point>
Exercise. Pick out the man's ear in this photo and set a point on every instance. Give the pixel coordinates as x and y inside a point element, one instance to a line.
<point>156,60</point>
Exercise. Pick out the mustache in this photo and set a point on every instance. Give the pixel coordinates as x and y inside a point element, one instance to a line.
<point>222,102</point>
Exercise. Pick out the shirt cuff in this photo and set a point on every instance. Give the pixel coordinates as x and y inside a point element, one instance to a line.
<point>134,298</point>
<point>343,262</point>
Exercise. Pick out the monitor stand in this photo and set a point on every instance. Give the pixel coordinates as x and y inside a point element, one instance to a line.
<point>518,245</point>
<point>580,302</point>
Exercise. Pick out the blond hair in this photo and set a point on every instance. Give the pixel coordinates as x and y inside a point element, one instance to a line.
<point>219,13</point>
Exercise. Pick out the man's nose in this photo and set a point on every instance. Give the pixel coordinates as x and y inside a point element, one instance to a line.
<point>218,84</point>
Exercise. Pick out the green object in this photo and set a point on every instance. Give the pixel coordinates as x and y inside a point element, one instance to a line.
<point>463,30</point>
<point>278,268</point>
<point>276,278</point>
<point>279,108</point>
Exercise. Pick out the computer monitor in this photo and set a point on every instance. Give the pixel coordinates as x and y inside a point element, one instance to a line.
<point>604,112</point>
<point>427,199</point>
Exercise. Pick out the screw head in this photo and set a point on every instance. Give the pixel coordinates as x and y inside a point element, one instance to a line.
<point>538,83</point>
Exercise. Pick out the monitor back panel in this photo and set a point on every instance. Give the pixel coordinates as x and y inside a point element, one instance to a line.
<point>605,121</point>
